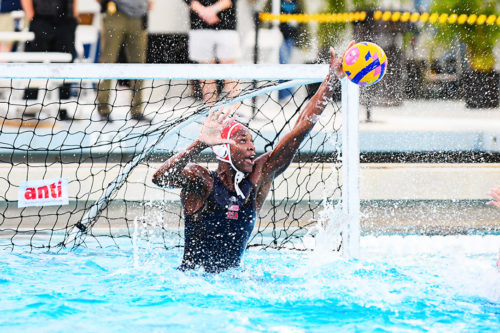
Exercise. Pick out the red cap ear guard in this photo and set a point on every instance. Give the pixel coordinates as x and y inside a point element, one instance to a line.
<point>222,152</point>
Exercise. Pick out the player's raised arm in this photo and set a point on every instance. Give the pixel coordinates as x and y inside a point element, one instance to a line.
<point>176,172</point>
<point>282,155</point>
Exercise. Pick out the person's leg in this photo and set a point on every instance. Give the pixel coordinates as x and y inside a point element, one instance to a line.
<point>285,53</point>
<point>43,31</point>
<point>65,36</point>
<point>111,40</point>
<point>209,88</point>
<point>6,24</point>
<point>65,42</point>
<point>286,50</point>
<point>201,50</point>
<point>231,88</point>
<point>228,51</point>
<point>136,43</point>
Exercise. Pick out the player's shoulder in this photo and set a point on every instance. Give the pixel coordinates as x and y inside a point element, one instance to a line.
<point>259,165</point>
<point>196,188</point>
<point>262,159</point>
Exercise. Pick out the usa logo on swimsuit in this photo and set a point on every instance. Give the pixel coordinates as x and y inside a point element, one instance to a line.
<point>232,209</point>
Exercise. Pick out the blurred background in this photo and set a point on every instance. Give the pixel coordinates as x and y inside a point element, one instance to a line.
<point>431,56</point>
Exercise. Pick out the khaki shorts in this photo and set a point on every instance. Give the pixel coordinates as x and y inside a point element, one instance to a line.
<point>208,45</point>
<point>6,22</point>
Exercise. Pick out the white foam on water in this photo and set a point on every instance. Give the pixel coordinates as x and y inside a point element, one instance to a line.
<point>327,234</point>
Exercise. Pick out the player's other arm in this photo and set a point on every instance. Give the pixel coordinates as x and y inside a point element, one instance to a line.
<point>282,155</point>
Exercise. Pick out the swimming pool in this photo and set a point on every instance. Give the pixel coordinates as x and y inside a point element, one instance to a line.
<point>412,283</point>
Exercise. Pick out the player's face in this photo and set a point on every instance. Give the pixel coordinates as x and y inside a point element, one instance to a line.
<point>243,152</point>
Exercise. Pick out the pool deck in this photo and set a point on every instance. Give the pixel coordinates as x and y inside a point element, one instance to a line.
<point>430,126</point>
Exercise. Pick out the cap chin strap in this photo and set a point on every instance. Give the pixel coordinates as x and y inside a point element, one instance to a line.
<point>238,177</point>
<point>223,153</point>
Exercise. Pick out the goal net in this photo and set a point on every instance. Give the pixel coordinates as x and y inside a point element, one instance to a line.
<point>71,177</point>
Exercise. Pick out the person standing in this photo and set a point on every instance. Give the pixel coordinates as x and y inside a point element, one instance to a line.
<point>291,32</point>
<point>213,39</point>
<point>124,23</point>
<point>53,23</point>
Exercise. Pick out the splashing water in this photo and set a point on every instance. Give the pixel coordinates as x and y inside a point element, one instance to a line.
<point>327,231</point>
<point>399,283</point>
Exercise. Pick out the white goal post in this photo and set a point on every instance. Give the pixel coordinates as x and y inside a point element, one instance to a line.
<point>286,76</point>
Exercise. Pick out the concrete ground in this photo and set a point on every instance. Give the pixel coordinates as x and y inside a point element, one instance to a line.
<point>430,125</point>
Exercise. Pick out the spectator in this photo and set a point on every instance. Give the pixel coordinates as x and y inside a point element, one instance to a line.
<point>53,23</point>
<point>124,23</point>
<point>213,38</point>
<point>291,34</point>
<point>495,194</point>
<point>7,21</point>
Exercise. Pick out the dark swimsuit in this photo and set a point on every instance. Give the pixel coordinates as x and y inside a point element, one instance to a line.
<point>216,236</point>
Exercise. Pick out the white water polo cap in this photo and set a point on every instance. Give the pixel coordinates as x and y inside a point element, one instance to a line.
<point>223,153</point>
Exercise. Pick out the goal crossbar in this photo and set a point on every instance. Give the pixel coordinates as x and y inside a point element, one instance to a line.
<point>163,71</point>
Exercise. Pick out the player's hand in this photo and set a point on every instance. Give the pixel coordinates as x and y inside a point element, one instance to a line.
<point>495,194</point>
<point>213,126</point>
<point>336,63</point>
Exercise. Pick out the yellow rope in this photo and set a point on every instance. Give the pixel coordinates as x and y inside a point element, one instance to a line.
<point>378,15</point>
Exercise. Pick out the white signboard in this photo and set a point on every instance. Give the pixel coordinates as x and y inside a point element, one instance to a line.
<point>47,192</point>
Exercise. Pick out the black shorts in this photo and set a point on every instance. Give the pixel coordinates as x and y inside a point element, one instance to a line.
<point>52,35</point>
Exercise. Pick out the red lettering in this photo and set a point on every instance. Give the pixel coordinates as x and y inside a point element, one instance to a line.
<point>53,190</point>
<point>30,193</point>
<point>43,192</point>
<point>232,215</point>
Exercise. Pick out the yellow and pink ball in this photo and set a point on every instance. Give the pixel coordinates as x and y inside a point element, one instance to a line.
<point>364,63</point>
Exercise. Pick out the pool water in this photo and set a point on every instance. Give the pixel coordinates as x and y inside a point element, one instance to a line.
<point>412,283</point>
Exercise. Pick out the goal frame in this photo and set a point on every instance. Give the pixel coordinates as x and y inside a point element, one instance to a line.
<point>299,74</point>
